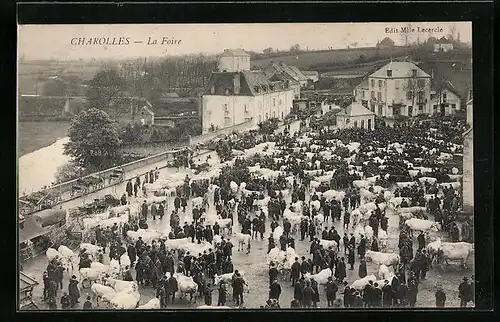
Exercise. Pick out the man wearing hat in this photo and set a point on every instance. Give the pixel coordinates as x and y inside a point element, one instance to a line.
<point>73,291</point>
<point>440,296</point>
<point>273,273</point>
<point>464,292</point>
<point>275,290</point>
<point>295,271</point>
<point>331,291</point>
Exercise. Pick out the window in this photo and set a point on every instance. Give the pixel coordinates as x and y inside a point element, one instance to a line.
<point>330,108</point>
<point>389,73</point>
<point>373,83</point>
<point>227,121</point>
<point>347,120</point>
<point>433,96</point>
<point>444,97</point>
<point>267,116</point>
<point>362,124</point>
<point>397,84</point>
<point>435,108</point>
<point>256,89</point>
<point>414,73</point>
<point>212,90</point>
<point>355,123</point>
<point>274,102</point>
<point>409,96</point>
<point>274,114</point>
<point>280,102</point>
<point>246,108</point>
<point>369,124</point>
<point>362,94</point>
<point>453,106</point>
<point>410,111</point>
<point>420,108</point>
<point>380,83</point>
<point>373,95</point>
<point>380,110</point>
<point>420,96</point>
<point>421,83</point>
<point>379,96</point>
<point>224,107</point>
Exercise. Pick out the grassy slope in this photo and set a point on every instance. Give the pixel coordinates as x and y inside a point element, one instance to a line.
<point>36,135</point>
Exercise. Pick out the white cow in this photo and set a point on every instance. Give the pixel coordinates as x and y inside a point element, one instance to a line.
<point>360,284</point>
<point>422,224</point>
<point>379,258</point>
<point>361,184</point>
<point>321,277</point>
<point>460,251</point>
<point>197,202</point>
<point>243,239</point>
<point>384,273</point>
<point>153,304</point>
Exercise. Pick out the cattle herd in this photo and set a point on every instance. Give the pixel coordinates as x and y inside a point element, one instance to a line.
<point>320,200</point>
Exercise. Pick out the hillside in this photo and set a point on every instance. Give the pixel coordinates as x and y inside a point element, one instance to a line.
<point>322,60</point>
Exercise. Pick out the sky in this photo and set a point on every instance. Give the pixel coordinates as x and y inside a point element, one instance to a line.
<point>55,41</point>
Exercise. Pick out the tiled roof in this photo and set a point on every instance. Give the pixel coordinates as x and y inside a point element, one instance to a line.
<point>400,70</point>
<point>356,109</point>
<point>234,53</point>
<point>249,80</point>
<point>387,42</point>
<point>281,67</point>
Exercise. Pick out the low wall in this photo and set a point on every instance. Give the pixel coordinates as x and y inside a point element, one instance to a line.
<point>64,189</point>
<point>247,126</point>
<point>153,148</point>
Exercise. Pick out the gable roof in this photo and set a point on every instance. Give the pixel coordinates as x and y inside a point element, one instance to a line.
<point>249,80</point>
<point>443,40</point>
<point>355,109</point>
<point>234,53</point>
<point>400,69</point>
<point>310,73</point>
<point>292,71</point>
<point>386,42</point>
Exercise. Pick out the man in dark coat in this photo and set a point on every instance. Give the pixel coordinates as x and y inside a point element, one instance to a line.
<point>129,188</point>
<point>161,210</point>
<point>144,210</point>
<point>74,292</point>
<point>304,226</point>
<point>464,292</point>
<point>331,291</point>
<point>362,268</point>
<point>273,273</point>
<point>375,247</point>
<point>216,229</point>
<point>183,204</point>
<point>177,203</point>
<point>136,188</point>
<point>308,295</point>
<point>440,297</point>
<point>312,231</point>
<point>387,294</point>
<point>350,256</point>
<point>376,295</point>
<point>298,290</point>
<point>340,271</point>
<point>172,287</point>
<point>305,267</point>
<point>421,240</point>
<point>295,271</point>
<point>275,290</point>
<point>362,247</point>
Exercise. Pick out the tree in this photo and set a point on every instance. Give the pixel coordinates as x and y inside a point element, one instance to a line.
<point>94,140</point>
<point>104,88</point>
<point>268,51</point>
<point>412,87</point>
<point>69,171</point>
<point>295,48</point>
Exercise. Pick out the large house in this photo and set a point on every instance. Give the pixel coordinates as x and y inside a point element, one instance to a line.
<point>235,97</point>
<point>356,116</point>
<point>399,88</point>
<point>361,93</point>
<point>312,76</point>
<point>234,60</point>
<point>443,44</point>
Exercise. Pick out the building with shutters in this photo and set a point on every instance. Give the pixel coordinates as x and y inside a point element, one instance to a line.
<point>399,88</point>
<point>243,95</point>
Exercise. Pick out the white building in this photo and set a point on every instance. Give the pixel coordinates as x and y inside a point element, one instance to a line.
<point>469,112</point>
<point>328,107</point>
<point>312,75</point>
<point>356,116</point>
<point>445,100</point>
<point>361,93</point>
<point>234,60</point>
<point>443,44</point>
<point>399,88</point>
<point>292,72</point>
<point>233,98</point>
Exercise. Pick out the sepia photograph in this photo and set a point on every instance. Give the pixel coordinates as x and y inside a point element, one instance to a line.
<point>245,166</point>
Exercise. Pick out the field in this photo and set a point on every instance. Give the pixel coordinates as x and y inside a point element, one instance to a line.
<point>305,61</point>
<point>36,135</point>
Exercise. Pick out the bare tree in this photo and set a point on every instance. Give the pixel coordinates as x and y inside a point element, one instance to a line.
<point>452,33</point>
<point>413,87</point>
<point>405,36</point>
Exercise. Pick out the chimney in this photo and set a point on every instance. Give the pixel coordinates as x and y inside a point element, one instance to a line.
<point>236,83</point>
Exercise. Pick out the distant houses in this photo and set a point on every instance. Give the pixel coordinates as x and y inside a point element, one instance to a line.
<point>385,43</point>
<point>356,116</point>
<point>443,45</point>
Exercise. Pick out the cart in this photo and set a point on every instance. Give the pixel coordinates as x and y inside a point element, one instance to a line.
<point>26,286</point>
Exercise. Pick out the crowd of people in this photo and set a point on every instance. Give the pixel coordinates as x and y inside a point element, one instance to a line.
<point>155,266</point>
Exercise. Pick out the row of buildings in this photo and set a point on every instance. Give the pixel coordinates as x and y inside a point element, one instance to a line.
<point>438,45</point>
<point>235,94</point>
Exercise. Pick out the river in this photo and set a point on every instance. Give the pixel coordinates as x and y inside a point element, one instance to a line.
<point>38,168</point>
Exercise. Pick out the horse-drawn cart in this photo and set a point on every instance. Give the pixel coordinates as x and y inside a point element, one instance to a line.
<point>26,286</point>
